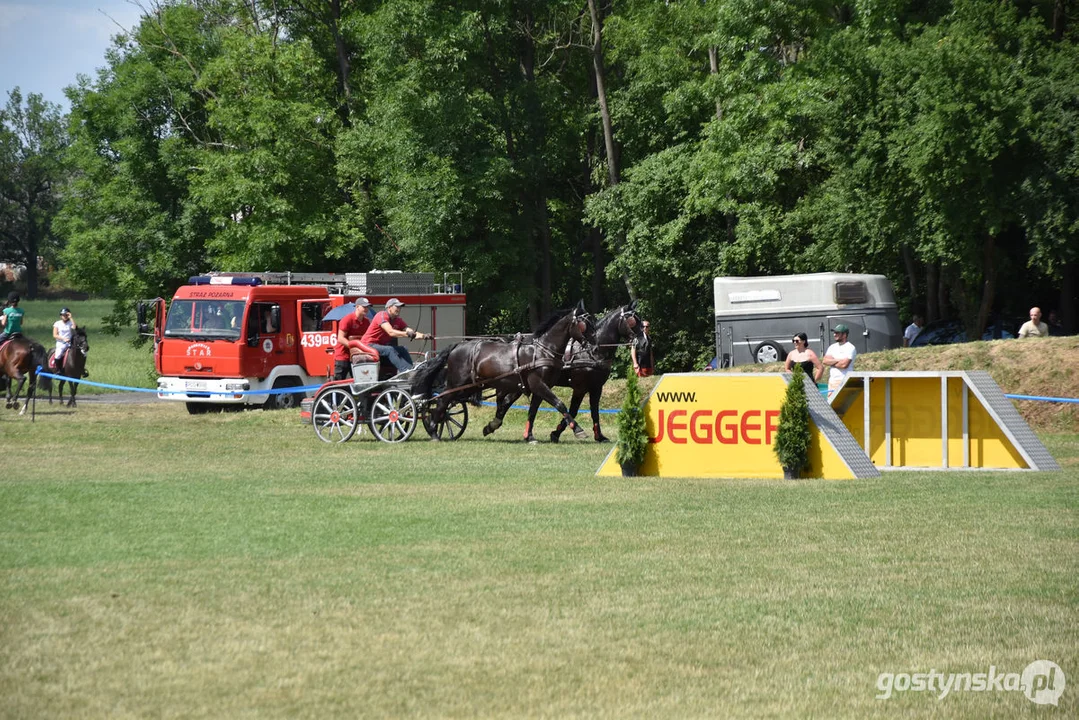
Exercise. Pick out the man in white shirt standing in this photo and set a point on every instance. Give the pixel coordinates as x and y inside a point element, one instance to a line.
<point>840,358</point>
<point>912,330</point>
<point>62,330</point>
<point>1034,327</point>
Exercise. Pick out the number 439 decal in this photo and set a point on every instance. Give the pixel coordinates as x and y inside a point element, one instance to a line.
<point>315,340</point>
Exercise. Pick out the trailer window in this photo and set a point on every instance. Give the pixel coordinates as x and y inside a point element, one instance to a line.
<point>210,319</point>
<point>750,296</point>
<point>851,292</point>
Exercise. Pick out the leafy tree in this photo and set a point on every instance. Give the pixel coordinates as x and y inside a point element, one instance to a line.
<point>32,142</point>
<point>632,433</point>
<point>794,435</point>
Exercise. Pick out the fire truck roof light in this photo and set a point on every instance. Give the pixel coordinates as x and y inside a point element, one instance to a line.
<point>223,280</point>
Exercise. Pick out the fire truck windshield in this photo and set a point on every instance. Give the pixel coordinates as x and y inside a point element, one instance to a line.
<point>205,319</point>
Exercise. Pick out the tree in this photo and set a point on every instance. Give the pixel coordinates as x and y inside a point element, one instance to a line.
<point>794,434</point>
<point>32,143</point>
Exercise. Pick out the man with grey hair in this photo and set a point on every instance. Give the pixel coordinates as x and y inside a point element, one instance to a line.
<point>383,332</point>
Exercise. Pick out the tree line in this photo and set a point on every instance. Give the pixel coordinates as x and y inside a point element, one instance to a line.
<point>554,150</point>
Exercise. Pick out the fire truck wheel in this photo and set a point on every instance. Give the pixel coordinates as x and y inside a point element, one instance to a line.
<point>393,416</point>
<point>284,401</point>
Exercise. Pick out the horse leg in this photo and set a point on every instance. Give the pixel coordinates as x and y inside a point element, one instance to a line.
<point>545,393</point>
<point>13,401</point>
<point>74,388</point>
<point>574,406</point>
<point>435,417</point>
<point>503,403</point>
<point>594,394</point>
<point>533,409</point>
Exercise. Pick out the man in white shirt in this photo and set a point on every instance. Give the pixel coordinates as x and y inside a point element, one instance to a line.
<point>840,358</point>
<point>912,330</point>
<point>62,330</point>
<point>1034,327</point>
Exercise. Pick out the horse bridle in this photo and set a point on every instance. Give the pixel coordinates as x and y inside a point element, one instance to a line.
<point>580,318</point>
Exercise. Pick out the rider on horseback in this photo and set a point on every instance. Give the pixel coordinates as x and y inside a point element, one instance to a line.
<point>62,330</point>
<point>11,319</point>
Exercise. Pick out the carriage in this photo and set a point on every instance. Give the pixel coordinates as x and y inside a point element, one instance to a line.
<point>436,391</point>
<point>384,405</point>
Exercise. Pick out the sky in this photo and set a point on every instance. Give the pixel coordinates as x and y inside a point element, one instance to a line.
<point>44,44</point>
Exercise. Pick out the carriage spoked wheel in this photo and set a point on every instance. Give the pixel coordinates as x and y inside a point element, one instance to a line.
<point>335,415</point>
<point>453,422</point>
<point>393,416</point>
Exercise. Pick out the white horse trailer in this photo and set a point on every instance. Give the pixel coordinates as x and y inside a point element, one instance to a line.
<point>756,317</point>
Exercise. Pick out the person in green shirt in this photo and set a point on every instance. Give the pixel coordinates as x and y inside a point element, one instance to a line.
<point>11,319</point>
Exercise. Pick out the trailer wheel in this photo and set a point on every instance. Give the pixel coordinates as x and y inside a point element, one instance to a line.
<point>769,352</point>
<point>453,423</point>
<point>393,416</point>
<point>334,415</point>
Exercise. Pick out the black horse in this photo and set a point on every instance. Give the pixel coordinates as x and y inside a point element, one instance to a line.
<point>511,368</point>
<point>74,366</point>
<point>19,359</point>
<point>589,367</point>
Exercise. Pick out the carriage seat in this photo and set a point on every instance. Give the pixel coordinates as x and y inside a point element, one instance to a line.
<point>358,356</point>
<point>364,366</point>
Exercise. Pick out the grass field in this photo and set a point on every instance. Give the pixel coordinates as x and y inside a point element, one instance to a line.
<point>158,564</point>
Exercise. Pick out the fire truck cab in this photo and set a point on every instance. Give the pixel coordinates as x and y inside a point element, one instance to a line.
<point>225,334</point>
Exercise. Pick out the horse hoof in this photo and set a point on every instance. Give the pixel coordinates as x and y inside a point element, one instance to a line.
<point>580,434</point>
<point>487,431</point>
<point>531,440</point>
<point>602,439</point>
<point>554,436</point>
<point>435,438</point>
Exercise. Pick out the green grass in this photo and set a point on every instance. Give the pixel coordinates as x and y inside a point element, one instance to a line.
<point>112,360</point>
<point>158,564</point>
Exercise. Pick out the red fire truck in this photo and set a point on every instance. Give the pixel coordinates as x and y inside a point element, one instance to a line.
<point>227,333</point>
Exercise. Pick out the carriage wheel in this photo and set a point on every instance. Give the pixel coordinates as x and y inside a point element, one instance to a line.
<point>334,415</point>
<point>393,416</point>
<point>453,422</point>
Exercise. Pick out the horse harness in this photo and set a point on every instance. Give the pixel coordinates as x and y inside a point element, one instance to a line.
<point>521,370</point>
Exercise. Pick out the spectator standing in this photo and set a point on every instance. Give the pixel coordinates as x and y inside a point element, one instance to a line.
<point>840,358</point>
<point>1034,327</point>
<point>644,362</point>
<point>913,329</point>
<point>803,355</point>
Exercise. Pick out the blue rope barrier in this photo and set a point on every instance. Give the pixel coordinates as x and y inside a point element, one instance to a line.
<point>1043,399</point>
<point>196,393</point>
<point>305,388</point>
<point>543,408</point>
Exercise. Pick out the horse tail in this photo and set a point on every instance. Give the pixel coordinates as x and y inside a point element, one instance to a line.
<point>40,360</point>
<point>426,378</point>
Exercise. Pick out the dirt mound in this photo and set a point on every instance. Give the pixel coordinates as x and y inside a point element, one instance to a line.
<point>1046,367</point>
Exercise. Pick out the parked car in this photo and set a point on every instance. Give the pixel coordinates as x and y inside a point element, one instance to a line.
<point>947,332</point>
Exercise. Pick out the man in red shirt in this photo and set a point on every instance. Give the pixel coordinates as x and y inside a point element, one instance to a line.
<point>349,331</point>
<point>385,329</point>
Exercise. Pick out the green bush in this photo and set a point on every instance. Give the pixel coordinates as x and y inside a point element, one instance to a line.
<point>794,435</point>
<point>632,434</point>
